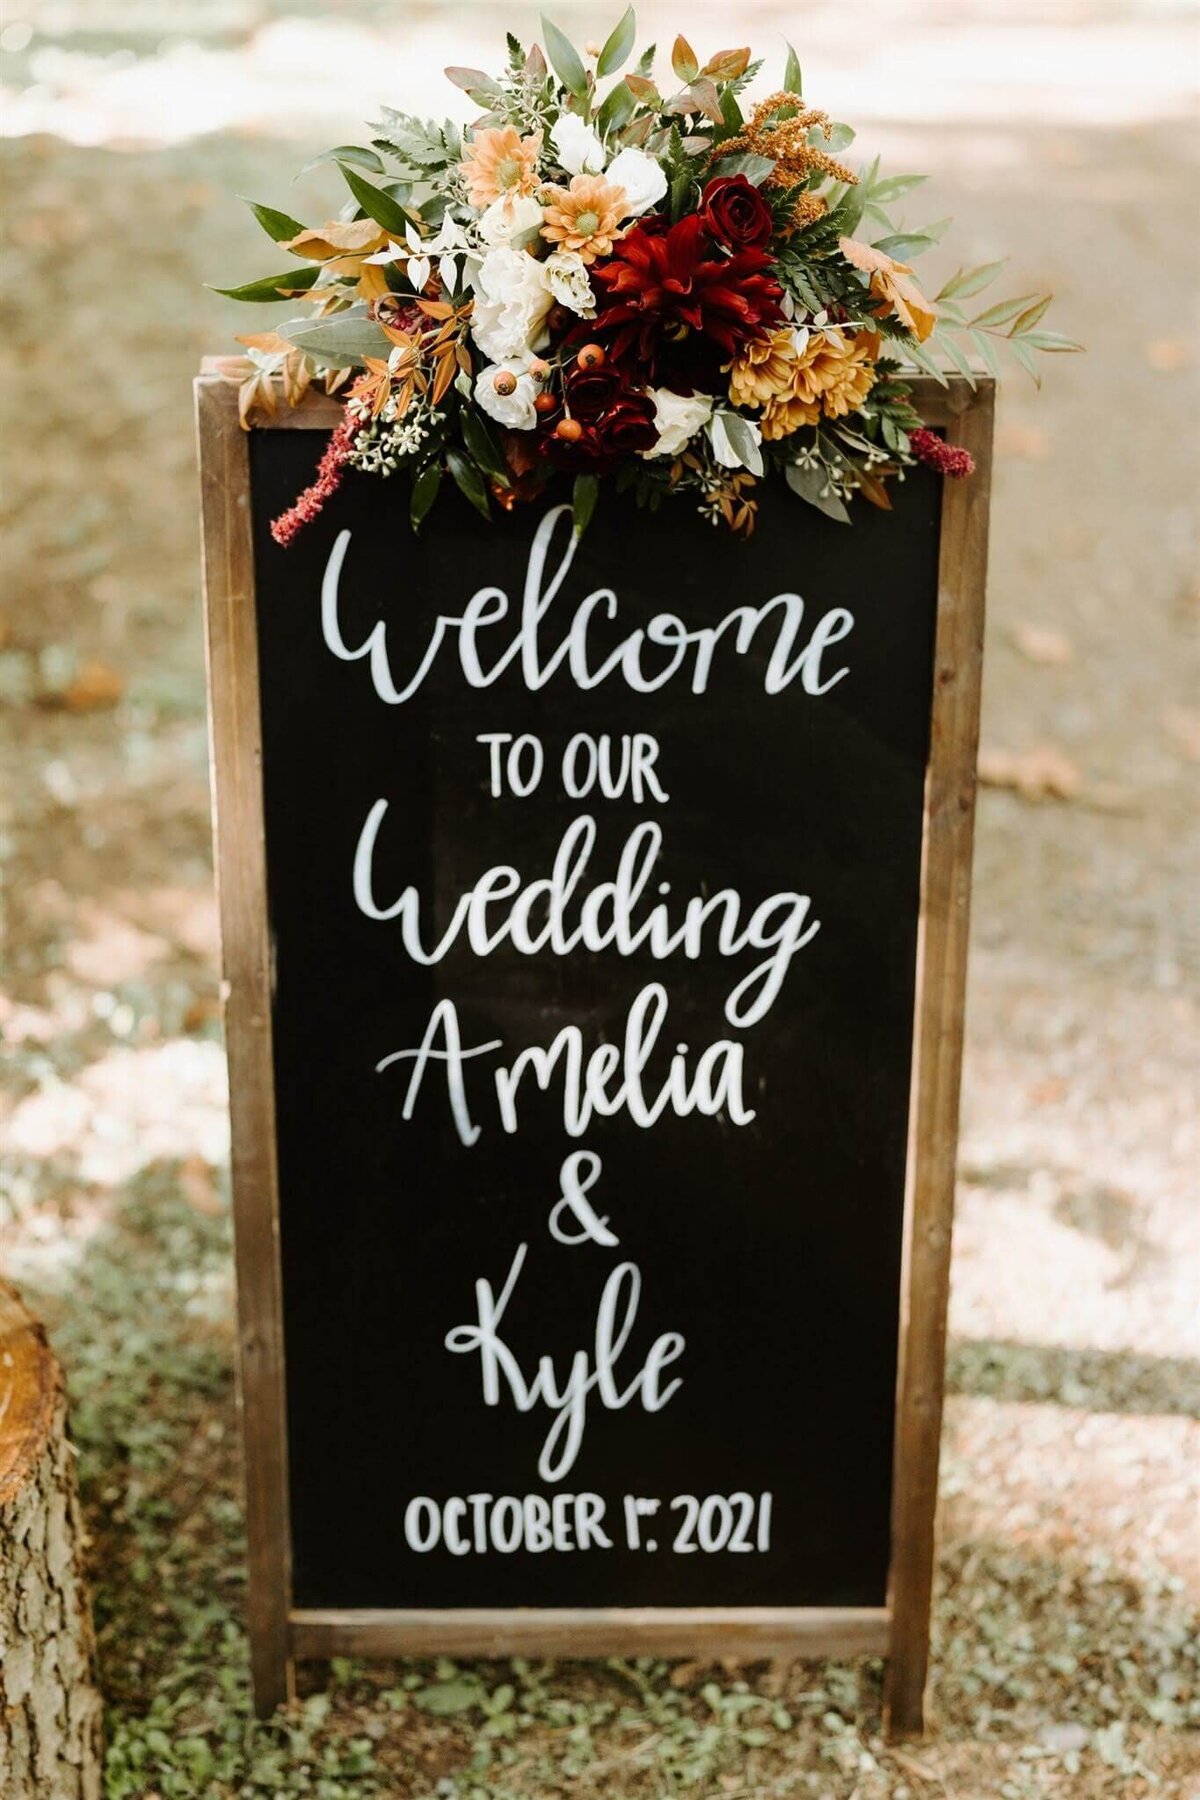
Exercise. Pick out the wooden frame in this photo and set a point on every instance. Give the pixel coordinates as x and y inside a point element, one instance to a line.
<point>280,1634</point>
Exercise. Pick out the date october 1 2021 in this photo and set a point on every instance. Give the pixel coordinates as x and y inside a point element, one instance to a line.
<point>479,1523</point>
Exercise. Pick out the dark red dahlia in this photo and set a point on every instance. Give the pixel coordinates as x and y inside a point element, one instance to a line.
<point>674,308</point>
<point>735,213</point>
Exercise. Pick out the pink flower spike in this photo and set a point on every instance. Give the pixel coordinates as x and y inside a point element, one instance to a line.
<point>330,470</point>
<point>950,460</point>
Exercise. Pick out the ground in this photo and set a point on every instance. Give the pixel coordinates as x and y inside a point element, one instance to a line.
<point>1065,1630</point>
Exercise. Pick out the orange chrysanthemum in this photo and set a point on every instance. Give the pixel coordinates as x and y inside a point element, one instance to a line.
<point>500,163</point>
<point>585,217</point>
<point>832,375</point>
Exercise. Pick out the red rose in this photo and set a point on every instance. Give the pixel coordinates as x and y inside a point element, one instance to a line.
<point>591,391</point>
<point>615,424</point>
<point>736,214</point>
<point>674,310</point>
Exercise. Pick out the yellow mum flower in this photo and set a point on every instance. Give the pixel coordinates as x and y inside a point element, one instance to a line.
<point>831,376</point>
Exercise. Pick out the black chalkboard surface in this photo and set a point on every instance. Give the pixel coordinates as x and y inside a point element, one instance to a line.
<point>593,882</point>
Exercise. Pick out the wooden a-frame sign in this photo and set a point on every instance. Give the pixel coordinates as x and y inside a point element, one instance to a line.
<point>285,1625</point>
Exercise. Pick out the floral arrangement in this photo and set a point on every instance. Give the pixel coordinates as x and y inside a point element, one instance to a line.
<point>679,290</point>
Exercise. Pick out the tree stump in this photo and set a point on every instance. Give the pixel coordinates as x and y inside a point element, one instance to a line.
<point>49,1708</point>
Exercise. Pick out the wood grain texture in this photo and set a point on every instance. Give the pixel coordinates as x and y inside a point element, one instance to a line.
<point>749,1632</point>
<point>941,994</point>
<point>50,1708</point>
<point>902,1629</point>
<point>236,759</point>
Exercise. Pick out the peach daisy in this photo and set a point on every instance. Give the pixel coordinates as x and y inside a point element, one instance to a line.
<point>585,217</point>
<point>500,164</point>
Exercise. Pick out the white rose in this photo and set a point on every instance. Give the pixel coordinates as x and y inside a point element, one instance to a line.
<point>577,147</point>
<point>678,418</point>
<point>567,274</point>
<point>640,176</point>
<point>512,298</point>
<point>508,218</point>
<point>515,410</point>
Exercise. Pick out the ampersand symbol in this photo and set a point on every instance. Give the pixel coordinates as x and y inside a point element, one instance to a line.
<point>579,1173</point>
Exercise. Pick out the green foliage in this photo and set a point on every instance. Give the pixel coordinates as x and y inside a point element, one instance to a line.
<point>339,342</point>
<point>358,154</point>
<point>681,172</point>
<point>420,144</point>
<point>375,203</point>
<point>273,287</point>
<point>585,493</point>
<point>469,481</point>
<point>279,226</point>
<point>424,492</point>
<point>564,59</point>
<point>618,44</point>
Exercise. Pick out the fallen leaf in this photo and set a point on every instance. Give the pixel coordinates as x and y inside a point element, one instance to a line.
<point>1042,643</point>
<point>1044,773</point>
<point>1182,726</point>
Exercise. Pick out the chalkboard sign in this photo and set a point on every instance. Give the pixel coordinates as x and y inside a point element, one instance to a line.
<point>594,923</point>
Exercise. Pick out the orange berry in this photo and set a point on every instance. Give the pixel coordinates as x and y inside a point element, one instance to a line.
<point>539,368</point>
<point>590,357</point>
<point>504,382</point>
<point>569,430</point>
<point>545,403</point>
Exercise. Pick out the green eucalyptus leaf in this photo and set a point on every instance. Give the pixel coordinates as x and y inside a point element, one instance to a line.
<point>343,341</point>
<point>474,82</point>
<point>564,59</point>
<point>471,483</point>
<point>732,117</point>
<point>357,154</point>
<point>273,287</point>
<point>424,493</point>
<point>809,485</point>
<point>375,203</point>
<point>616,110</point>
<point>618,44</point>
<point>754,168</point>
<point>279,226</point>
<point>793,81</point>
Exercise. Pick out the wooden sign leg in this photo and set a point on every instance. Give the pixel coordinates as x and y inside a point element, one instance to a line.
<point>938,1039</point>
<point>236,737</point>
